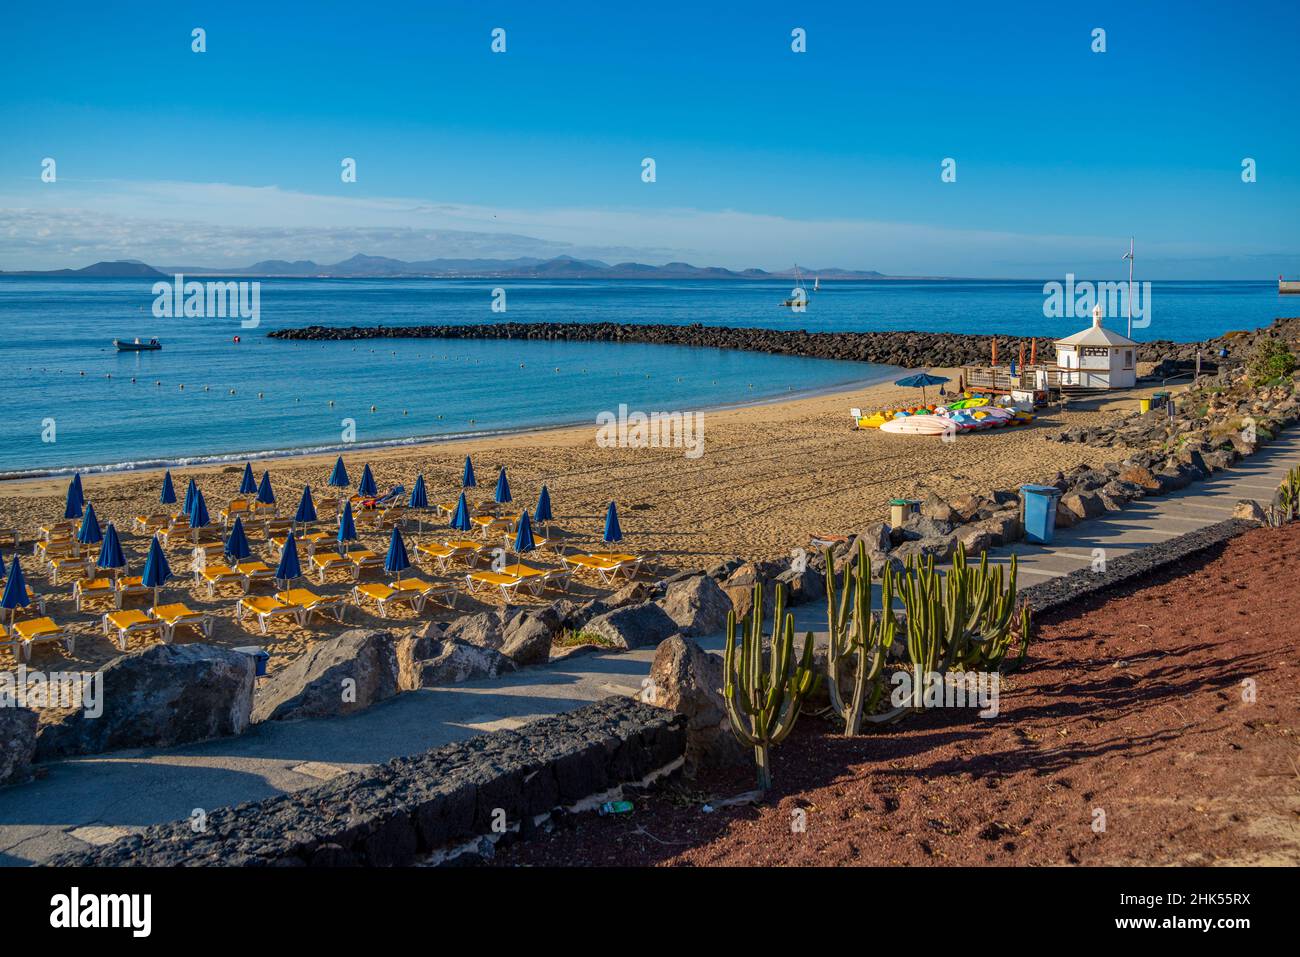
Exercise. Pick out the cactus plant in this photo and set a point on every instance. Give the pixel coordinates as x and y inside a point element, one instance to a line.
<point>1288,495</point>
<point>857,639</point>
<point>964,621</point>
<point>763,698</point>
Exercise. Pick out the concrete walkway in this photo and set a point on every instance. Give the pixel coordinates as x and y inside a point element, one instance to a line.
<point>97,799</point>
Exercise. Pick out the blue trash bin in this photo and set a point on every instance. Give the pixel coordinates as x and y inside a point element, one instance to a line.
<point>1038,511</point>
<point>260,657</point>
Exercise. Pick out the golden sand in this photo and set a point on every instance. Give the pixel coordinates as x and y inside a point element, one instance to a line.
<point>770,477</point>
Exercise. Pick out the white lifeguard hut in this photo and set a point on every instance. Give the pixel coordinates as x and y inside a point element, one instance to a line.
<point>1097,358</point>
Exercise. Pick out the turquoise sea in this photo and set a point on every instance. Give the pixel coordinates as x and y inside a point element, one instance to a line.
<point>204,397</point>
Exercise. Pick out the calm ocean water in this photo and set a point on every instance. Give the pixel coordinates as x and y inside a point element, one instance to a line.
<point>131,409</point>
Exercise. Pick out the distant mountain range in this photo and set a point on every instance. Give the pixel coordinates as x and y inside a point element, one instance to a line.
<point>380,267</point>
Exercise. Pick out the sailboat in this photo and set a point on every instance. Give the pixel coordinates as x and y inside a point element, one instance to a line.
<point>817,283</point>
<point>798,296</point>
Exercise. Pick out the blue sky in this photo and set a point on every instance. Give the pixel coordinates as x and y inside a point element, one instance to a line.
<point>764,157</point>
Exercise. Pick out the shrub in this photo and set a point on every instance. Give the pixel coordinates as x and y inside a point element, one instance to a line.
<point>1271,360</point>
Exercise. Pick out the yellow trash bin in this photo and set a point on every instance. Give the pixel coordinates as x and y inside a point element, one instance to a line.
<point>1144,405</point>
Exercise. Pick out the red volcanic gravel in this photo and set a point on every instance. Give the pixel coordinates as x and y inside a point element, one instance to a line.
<point>1131,706</point>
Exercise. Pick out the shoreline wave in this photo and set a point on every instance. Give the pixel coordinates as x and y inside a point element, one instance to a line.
<point>883,374</point>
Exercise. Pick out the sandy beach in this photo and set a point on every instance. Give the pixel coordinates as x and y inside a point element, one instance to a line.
<point>770,476</point>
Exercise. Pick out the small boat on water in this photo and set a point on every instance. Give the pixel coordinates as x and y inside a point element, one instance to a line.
<point>137,346</point>
<point>798,295</point>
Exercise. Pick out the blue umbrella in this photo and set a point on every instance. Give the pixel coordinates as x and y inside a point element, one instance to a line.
<point>73,505</point>
<point>367,486</point>
<point>419,494</point>
<point>237,547</point>
<point>612,532</point>
<point>199,517</point>
<point>339,477</point>
<point>543,510</point>
<point>191,490</point>
<point>502,494</point>
<point>264,493</point>
<point>81,493</point>
<point>156,570</point>
<point>396,561</point>
<point>306,508</point>
<point>524,534</point>
<point>110,552</point>
<point>248,485</point>
<point>347,527</point>
<point>15,594</point>
<point>467,476</point>
<point>89,533</point>
<point>168,494</point>
<point>419,498</point>
<point>460,520</point>
<point>920,381</point>
<point>289,568</point>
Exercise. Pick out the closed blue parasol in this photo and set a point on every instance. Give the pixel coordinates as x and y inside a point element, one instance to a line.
<point>524,534</point>
<point>15,593</point>
<point>265,495</point>
<point>199,517</point>
<point>467,474</point>
<point>419,494</point>
<point>80,492</point>
<point>111,555</point>
<point>419,500</point>
<point>191,490</point>
<point>920,381</point>
<point>347,527</point>
<point>237,547</point>
<point>248,485</point>
<point>73,505</point>
<point>156,570</point>
<point>502,493</point>
<point>289,567</point>
<point>367,486</point>
<point>612,531</point>
<point>543,510</point>
<point>339,477</point>
<point>306,508</point>
<point>168,494</point>
<point>460,520</point>
<point>396,561</point>
<point>89,533</point>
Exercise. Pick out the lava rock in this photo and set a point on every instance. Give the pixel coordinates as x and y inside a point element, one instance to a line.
<point>157,697</point>
<point>688,680</point>
<point>335,677</point>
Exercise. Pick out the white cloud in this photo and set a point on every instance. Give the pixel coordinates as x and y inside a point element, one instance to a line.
<point>221,224</point>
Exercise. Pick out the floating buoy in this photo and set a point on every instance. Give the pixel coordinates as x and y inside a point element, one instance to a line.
<point>372,408</point>
<point>132,378</point>
<point>232,391</point>
<point>81,373</point>
<point>159,384</point>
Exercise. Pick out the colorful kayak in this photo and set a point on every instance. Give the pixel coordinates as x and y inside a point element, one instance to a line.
<point>918,425</point>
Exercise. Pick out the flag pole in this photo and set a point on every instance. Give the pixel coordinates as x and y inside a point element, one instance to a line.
<point>1129,257</point>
